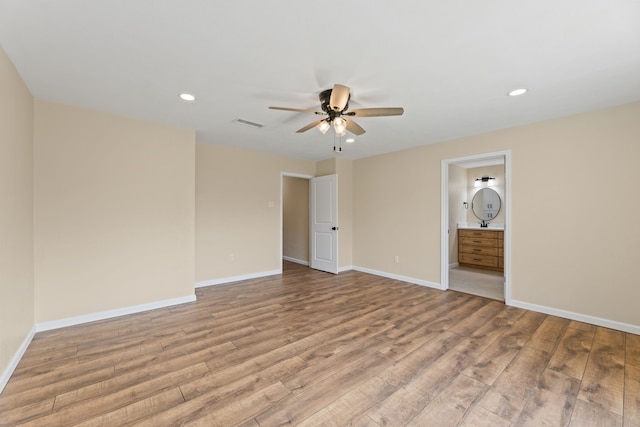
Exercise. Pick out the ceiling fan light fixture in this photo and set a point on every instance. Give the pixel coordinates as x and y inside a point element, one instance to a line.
<point>340,126</point>
<point>324,126</point>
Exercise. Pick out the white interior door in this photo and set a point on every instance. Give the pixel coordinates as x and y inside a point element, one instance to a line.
<point>323,200</point>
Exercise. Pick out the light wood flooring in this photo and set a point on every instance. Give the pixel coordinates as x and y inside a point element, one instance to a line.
<point>484,283</point>
<point>312,349</point>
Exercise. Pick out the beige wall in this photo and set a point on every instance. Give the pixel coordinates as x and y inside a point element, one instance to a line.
<point>114,212</point>
<point>344,170</point>
<point>325,167</point>
<point>396,212</point>
<point>16,212</point>
<point>580,259</point>
<point>295,218</point>
<point>238,210</point>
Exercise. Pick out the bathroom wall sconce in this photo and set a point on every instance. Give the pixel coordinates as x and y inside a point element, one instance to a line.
<point>466,205</point>
<point>486,181</point>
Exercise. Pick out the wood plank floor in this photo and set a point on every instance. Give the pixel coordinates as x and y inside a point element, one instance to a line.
<point>311,349</point>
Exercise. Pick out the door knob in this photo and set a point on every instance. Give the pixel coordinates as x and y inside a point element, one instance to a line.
<point>334,228</point>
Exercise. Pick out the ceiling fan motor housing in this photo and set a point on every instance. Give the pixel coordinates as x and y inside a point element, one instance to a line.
<point>325,97</point>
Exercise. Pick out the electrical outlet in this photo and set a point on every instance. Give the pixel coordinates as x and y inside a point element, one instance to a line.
<point>232,257</point>
<point>397,259</point>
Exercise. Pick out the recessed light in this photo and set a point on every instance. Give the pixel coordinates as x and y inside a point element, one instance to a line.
<point>187,97</point>
<point>349,140</point>
<point>517,92</point>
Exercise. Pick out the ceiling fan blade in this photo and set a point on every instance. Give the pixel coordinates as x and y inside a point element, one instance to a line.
<point>310,126</point>
<point>339,97</point>
<point>375,112</point>
<point>354,128</point>
<point>299,110</point>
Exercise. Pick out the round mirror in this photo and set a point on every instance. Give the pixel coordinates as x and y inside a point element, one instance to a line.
<point>486,204</point>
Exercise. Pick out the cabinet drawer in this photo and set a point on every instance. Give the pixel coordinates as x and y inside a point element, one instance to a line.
<point>479,250</point>
<point>478,233</point>
<point>476,241</point>
<point>484,260</point>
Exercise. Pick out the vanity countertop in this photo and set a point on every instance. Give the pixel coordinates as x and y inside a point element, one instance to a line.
<point>476,226</point>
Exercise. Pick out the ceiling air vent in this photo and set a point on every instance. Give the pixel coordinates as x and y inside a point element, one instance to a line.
<point>248,123</point>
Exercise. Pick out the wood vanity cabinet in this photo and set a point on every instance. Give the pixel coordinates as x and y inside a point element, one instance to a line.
<point>481,249</point>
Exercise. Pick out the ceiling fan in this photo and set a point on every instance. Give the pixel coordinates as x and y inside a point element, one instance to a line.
<point>335,105</point>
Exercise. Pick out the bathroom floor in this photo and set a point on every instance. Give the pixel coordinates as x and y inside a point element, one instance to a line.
<point>473,281</point>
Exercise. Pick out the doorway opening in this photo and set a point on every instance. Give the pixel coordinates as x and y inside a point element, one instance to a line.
<point>475,244</point>
<point>309,220</point>
<point>294,221</point>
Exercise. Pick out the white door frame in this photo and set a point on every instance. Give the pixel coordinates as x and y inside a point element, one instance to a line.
<point>444,218</point>
<point>282,176</point>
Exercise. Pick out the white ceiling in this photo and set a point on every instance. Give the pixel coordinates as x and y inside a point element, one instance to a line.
<point>449,63</point>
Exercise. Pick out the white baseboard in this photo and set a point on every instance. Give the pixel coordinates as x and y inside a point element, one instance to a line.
<point>4,379</point>
<point>398,277</point>
<point>92,317</point>
<point>77,320</point>
<point>593,320</point>
<point>237,278</point>
<point>297,261</point>
<point>345,268</point>
<point>454,265</point>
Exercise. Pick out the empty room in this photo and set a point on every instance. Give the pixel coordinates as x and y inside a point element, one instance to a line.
<point>371,214</point>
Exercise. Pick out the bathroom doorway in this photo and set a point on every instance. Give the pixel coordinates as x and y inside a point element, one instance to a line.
<point>475,259</point>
